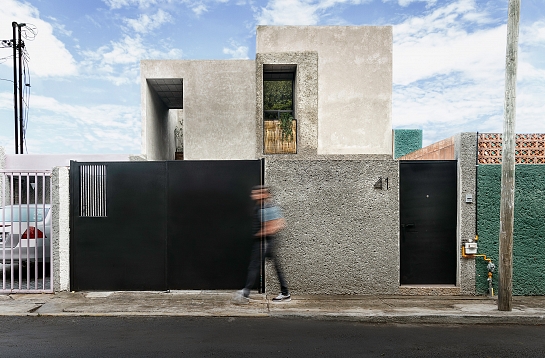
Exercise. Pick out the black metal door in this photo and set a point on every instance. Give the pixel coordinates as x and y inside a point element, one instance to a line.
<point>209,223</point>
<point>161,225</point>
<point>118,228</point>
<point>428,222</point>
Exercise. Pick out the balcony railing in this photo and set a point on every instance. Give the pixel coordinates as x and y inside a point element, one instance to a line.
<point>274,140</point>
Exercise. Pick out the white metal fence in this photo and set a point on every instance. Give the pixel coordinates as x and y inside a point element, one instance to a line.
<point>25,231</point>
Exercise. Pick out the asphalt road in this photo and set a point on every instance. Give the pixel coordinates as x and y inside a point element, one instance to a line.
<point>257,337</point>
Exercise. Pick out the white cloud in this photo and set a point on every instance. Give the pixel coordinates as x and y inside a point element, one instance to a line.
<point>118,4</point>
<point>118,62</point>
<point>532,35</point>
<point>298,12</point>
<point>408,2</point>
<point>236,51</point>
<point>87,129</point>
<point>449,79</point>
<point>48,55</point>
<point>145,23</point>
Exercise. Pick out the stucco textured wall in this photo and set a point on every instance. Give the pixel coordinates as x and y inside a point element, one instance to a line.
<point>465,152</point>
<point>406,141</point>
<point>60,227</point>
<point>306,99</point>
<point>354,82</point>
<point>529,230</point>
<point>2,158</point>
<point>342,235</point>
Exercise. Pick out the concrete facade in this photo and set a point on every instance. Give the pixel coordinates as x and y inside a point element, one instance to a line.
<point>2,158</point>
<point>354,82</point>
<point>218,115</point>
<point>305,101</point>
<point>60,228</point>
<point>342,234</point>
<point>343,96</point>
<point>465,153</point>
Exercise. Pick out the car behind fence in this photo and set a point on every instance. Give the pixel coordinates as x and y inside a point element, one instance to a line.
<point>25,231</point>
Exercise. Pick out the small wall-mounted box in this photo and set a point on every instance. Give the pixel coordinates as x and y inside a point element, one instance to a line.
<point>469,198</point>
<point>471,248</point>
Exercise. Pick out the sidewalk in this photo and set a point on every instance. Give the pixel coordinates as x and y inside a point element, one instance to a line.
<point>370,309</point>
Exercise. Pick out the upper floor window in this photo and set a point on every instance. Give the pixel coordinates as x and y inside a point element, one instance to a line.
<point>279,123</point>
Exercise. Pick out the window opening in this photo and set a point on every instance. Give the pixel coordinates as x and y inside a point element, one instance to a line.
<point>279,123</point>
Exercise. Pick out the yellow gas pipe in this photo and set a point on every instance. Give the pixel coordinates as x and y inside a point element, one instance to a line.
<point>470,256</point>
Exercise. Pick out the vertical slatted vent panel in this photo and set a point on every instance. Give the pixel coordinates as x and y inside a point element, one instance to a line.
<point>93,190</point>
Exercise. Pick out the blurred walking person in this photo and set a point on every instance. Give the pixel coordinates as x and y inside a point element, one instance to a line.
<point>267,222</point>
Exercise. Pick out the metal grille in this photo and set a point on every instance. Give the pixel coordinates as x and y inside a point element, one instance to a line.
<point>25,231</point>
<point>93,190</point>
<point>530,148</point>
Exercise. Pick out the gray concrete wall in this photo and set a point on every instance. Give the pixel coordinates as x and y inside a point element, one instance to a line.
<point>465,152</point>
<point>342,235</point>
<point>306,100</point>
<point>156,140</point>
<point>219,109</point>
<point>354,82</point>
<point>60,228</point>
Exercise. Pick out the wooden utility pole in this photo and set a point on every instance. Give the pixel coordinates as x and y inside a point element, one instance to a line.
<point>507,205</point>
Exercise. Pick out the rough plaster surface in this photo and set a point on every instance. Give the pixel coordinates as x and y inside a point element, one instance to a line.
<point>354,82</point>
<point>465,152</point>
<point>2,158</point>
<point>342,235</point>
<point>60,227</point>
<point>406,141</point>
<point>529,229</point>
<point>306,99</point>
<point>219,109</point>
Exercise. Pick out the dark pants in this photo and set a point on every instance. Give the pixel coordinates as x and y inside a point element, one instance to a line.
<point>255,265</point>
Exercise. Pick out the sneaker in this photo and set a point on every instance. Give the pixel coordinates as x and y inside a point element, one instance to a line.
<point>282,298</point>
<point>240,298</point>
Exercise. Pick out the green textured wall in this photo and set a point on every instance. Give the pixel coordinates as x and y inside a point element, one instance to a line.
<point>406,141</point>
<point>529,231</point>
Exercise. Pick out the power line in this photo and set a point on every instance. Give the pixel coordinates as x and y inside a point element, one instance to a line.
<point>21,79</point>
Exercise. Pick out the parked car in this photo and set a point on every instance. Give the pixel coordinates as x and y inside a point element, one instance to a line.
<point>33,245</point>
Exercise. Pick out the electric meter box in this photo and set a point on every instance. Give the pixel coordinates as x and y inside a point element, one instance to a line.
<point>471,248</point>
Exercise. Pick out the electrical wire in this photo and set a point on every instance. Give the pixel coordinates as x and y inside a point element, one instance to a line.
<point>29,31</point>
<point>26,94</point>
<point>4,59</point>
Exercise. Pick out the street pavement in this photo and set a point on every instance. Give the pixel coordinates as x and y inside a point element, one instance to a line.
<point>370,309</point>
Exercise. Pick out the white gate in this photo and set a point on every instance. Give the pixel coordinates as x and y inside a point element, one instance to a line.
<point>25,232</point>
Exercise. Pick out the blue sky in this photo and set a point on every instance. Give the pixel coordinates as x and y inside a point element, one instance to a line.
<point>449,61</point>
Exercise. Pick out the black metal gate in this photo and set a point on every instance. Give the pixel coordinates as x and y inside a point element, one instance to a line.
<point>161,225</point>
<point>428,196</point>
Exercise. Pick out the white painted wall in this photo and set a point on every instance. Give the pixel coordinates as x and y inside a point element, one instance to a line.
<point>354,82</point>
<point>49,161</point>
